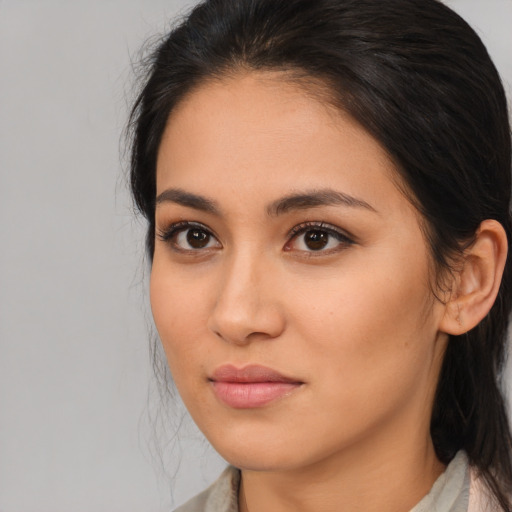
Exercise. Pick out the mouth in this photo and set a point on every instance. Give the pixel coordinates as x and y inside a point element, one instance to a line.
<point>251,387</point>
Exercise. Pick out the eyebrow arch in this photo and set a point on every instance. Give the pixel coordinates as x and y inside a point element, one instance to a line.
<point>314,198</point>
<point>179,196</point>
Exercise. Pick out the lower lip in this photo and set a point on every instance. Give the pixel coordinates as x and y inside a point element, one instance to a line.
<point>249,395</point>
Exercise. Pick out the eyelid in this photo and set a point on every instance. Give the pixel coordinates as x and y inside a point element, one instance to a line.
<point>341,235</point>
<point>167,234</point>
<point>320,225</point>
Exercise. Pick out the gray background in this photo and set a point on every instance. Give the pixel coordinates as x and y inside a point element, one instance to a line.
<point>75,433</point>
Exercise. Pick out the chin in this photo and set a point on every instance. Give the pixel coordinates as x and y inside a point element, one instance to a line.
<point>260,452</point>
<point>262,459</point>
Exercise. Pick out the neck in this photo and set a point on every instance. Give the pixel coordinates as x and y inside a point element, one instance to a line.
<point>391,479</point>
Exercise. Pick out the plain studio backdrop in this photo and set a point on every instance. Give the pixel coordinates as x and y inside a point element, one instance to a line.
<point>74,344</point>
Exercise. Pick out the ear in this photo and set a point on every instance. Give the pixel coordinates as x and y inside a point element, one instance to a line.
<point>477,282</point>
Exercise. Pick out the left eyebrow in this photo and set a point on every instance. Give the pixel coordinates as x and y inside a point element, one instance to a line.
<point>315,198</point>
<point>183,198</point>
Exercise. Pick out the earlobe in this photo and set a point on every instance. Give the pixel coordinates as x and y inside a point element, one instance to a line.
<point>477,282</point>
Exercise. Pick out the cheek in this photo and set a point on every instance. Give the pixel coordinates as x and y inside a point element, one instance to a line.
<point>369,303</point>
<point>178,315</point>
<point>368,331</point>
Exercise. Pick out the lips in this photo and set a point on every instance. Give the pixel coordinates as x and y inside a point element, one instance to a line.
<point>250,387</point>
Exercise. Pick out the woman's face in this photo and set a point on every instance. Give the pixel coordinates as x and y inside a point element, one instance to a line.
<point>290,283</point>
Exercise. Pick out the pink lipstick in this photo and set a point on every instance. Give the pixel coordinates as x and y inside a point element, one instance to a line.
<point>250,387</point>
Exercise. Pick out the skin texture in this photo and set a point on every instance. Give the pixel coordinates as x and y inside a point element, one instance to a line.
<point>355,323</point>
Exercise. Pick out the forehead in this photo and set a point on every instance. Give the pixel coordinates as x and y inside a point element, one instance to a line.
<point>262,118</point>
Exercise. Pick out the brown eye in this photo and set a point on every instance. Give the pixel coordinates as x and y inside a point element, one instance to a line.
<point>316,240</point>
<point>198,238</point>
<point>317,237</point>
<point>186,236</point>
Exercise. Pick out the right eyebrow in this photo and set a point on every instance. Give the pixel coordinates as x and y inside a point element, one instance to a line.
<point>315,198</point>
<point>179,196</point>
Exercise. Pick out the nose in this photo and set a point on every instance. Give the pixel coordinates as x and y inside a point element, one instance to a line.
<point>247,305</point>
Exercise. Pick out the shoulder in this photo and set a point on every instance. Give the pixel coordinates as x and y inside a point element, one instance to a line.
<point>221,496</point>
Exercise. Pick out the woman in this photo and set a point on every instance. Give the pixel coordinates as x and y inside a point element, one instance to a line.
<point>327,188</point>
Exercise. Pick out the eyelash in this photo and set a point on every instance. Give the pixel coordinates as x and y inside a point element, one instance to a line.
<point>344,240</point>
<point>168,235</point>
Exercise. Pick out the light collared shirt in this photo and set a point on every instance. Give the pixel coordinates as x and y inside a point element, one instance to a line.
<point>450,492</point>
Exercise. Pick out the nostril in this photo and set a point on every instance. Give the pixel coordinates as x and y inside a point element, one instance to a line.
<point>248,329</point>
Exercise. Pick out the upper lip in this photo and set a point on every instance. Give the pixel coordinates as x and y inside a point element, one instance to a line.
<point>248,374</point>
